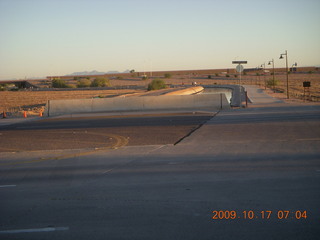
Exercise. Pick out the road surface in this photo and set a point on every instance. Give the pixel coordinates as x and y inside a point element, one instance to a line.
<point>99,132</point>
<point>260,166</point>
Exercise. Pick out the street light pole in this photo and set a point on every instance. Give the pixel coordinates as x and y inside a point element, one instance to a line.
<point>281,57</point>
<point>265,83</point>
<point>258,75</point>
<point>239,69</point>
<point>273,80</point>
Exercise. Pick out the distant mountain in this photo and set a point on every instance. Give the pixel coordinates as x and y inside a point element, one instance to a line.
<point>94,72</point>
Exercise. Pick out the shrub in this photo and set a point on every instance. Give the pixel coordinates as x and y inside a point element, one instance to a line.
<point>209,76</point>
<point>167,75</point>
<point>83,83</point>
<point>156,84</point>
<point>3,87</point>
<point>271,83</point>
<point>72,86</point>
<point>132,73</point>
<point>100,82</point>
<point>59,83</point>
<point>145,77</point>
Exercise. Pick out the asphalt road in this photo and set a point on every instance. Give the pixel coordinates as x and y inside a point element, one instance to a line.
<point>99,132</point>
<point>260,166</point>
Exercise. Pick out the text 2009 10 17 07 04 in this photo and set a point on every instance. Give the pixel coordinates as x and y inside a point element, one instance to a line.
<point>264,214</point>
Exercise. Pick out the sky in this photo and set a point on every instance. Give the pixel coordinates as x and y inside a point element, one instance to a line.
<point>44,38</point>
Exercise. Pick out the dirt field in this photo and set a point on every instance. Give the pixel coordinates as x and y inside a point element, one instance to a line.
<point>34,101</point>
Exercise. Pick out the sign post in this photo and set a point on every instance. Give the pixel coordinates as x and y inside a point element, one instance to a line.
<point>306,85</point>
<point>239,69</point>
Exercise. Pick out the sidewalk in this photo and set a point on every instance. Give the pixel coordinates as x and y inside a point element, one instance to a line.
<point>258,96</point>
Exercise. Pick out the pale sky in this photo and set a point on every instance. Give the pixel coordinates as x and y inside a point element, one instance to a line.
<point>45,37</point>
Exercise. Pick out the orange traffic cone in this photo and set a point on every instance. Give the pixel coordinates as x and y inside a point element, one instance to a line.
<point>4,114</point>
<point>40,113</point>
<point>24,114</point>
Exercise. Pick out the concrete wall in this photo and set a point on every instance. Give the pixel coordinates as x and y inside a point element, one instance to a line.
<point>235,93</point>
<point>194,102</point>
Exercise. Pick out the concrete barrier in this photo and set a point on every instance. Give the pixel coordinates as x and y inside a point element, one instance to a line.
<point>194,102</point>
<point>187,91</point>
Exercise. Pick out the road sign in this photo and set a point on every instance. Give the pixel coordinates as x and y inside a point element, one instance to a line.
<point>306,84</point>
<point>239,62</point>
<point>239,68</point>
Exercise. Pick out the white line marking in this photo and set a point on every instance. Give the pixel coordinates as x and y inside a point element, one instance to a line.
<point>107,171</point>
<point>157,148</point>
<point>308,139</point>
<point>4,186</point>
<point>28,127</point>
<point>32,230</point>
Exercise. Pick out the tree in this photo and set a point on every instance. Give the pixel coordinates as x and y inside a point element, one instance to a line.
<point>83,83</point>
<point>59,83</point>
<point>156,84</point>
<point>3,87</point>
<point>100,82</point>
<point>167,75</point>
<point>145,77</point>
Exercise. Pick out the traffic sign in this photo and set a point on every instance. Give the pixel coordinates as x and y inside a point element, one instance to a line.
<point>239,68</point>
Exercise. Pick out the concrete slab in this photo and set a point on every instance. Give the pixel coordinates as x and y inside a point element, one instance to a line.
<point>258,96</point>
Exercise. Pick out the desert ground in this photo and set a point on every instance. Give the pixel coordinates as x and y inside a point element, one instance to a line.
<point>33,101</point>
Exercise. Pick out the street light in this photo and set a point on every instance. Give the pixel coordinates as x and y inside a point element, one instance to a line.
<point>281,57</point>
<point>273,81</point>
<point>293,65</point>
<point>264,66</point>
<point>258,76</point>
